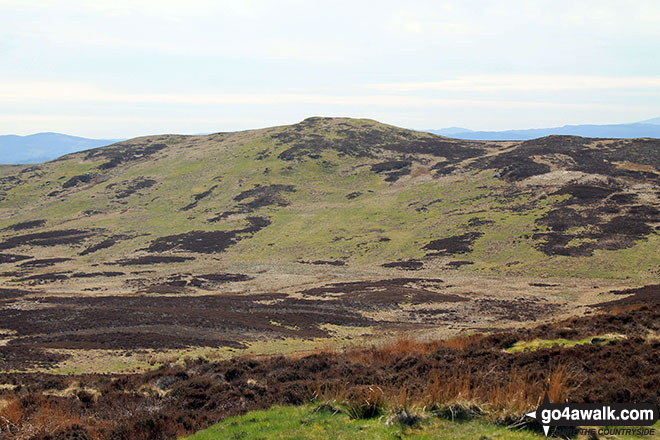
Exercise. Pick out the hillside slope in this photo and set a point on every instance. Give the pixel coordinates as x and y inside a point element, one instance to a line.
<point>338,192</point>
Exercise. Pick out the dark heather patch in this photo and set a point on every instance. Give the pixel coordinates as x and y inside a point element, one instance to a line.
<point>516,164</point>
<point>125,152</point>
<point>475,222</point>
<point>45,278</point>
<point>452,150</point>
<point>393,176</point>
<point>222,216</point>
<point>624,198</point>
<point>12,293</point>
<point>353,195</point>
<point>608,227</point>
<point>25,356</point>
<point>203,242</point>
<point>389,292</point>
<point>309,139</point>
<point>151,259</point>
<point>523,169</point>
<point>544,285</point>
<point>458,263</point>
<point>312,136</point>
<point>181,283</point>
<point>12,258</point>
<point>324,262</point>
<point>647,295</point>
<point>270,195</point>
<point>108,242</point>
<point>443,168</point>
<point>390,165</point>
<point>49,238</point>
<point>255,224</point>
<point>405,265</point>
<point>198,197</point>
<point>97,274</point>
<point>393,169</point>
<point>143,321</point>
<point>129,187</point>
<point>586,193</point>
<point>255,198</point>
<point>31,224</point>
<point>458,244</point>
<point>222,278</point>
<point>46,262</point>
<point>166,287</point>
<point>207,242</point>
<point>77,180</point>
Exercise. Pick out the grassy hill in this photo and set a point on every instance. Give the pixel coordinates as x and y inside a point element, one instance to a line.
<point>338,192</point>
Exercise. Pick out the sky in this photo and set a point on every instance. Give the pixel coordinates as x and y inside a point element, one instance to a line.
<point>123,68</point>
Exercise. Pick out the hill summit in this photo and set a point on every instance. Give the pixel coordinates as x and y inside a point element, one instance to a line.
<point>350,195</point>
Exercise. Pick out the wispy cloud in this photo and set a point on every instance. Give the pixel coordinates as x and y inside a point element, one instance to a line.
<point>71,92</point>
<point>496,83</point>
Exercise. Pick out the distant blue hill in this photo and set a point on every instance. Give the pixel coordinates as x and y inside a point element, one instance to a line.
<point>42,147</point>
<point>644,129</point>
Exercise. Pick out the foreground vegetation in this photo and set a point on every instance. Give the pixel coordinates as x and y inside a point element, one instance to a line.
<point>406,387</point>
<point>312,422</point>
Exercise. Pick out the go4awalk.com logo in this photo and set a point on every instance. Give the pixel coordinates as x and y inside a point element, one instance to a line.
<point>594,414</point>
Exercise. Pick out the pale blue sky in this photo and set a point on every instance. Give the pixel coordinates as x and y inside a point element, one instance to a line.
<point>122,68</point>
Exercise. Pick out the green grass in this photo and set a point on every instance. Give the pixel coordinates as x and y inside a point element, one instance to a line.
<point>303,423</point>
<point>537,344</point>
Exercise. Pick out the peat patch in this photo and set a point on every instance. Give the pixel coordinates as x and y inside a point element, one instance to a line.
<point>202,242</point>
<point>77,180</point>
<point>27,356</point>
<point>45,262</point>
<point>647,295</point>
<point>97,274</point>
<point>152,259</point>
<point>45,278</point>
<point>211,320</point>
<point>601,230</point>
<point>123,153</point>
<point>458,244</point>
<point>31,224</point>
<point>207,242</point>
<point>405,265</point>
<point>459,263</point>
<point>324,262</point>
<point>393,169</point>
<point>127,188</point>
<point>388,292</point>
<point>108,242</point>
<point>49,238</point>
<point>12,293</point>
<point>180,282</point>
<point>270,195</point>
<point>13,258</point>
<point>198,197</point>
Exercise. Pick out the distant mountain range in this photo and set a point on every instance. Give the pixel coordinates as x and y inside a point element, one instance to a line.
<point>42,147</point>
<point>643,129</point>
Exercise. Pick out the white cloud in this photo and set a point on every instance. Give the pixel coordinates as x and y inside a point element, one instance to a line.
<point>52,93</point>
<point>492,83</point>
